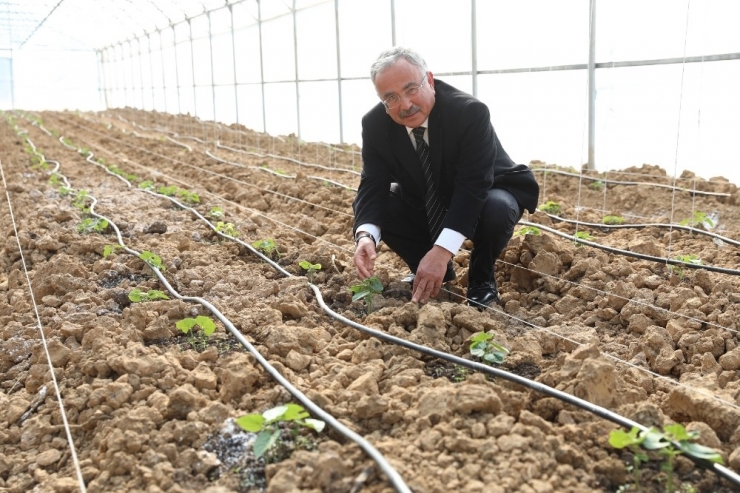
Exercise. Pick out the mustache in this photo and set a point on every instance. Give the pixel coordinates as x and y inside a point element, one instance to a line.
<point>404,113</point>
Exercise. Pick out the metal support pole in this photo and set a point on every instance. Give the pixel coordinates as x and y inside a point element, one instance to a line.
<point>213,80</point>
<point>474,46</point>
<point>164,85</point>
<point>262,66</point>
<point>295,65</point>
<point>123,64</point>
<point>177,71</point>
<point>339,72</point>
<point>151,67</point>
<point>393,23</point>
<point>192,69</point>
<point>101,79</point>
<point>141,73</point>
<point>233,56</point>
<point>591,165</point>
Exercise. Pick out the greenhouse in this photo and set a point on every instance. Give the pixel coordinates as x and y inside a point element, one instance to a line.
<point>370,246</point>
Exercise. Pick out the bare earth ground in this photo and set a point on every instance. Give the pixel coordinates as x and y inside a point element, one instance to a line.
<point>147,412</point>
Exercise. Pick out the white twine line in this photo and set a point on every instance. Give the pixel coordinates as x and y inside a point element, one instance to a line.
<point>75,461</point>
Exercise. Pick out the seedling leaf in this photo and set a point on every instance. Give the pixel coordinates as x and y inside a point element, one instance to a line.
<point>251,422</point>
<point>264,441</point>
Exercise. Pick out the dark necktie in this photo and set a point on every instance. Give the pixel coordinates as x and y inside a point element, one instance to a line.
<point>435,211</point>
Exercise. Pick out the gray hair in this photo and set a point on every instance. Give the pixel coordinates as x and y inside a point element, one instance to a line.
<point>389,58</point>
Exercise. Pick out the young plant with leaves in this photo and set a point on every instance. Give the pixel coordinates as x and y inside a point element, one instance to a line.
<point>686,259</point>
<point>92,225</point>
<point>267,247</point>
<point>268,426</point>
<point>205,328</point>
<point>152,259</point>
<point>137,295</point>
<point>110,249</point>
<point>551,207</point>
<point>698,220</point>
<point>484,347</point>
<point>309,268</point>
<point>227,228</point>
<point>528,230</point>
<point>613,220</point>
<point>582,235</point>
<point>80,200</point>
<point>216,212</point>
<point>367,289</point>
<point>674,440</point>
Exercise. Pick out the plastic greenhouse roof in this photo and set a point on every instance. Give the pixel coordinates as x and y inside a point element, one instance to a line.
<point>95,24</point>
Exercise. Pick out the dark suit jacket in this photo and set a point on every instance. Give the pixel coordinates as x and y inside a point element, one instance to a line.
<point>467,161</point>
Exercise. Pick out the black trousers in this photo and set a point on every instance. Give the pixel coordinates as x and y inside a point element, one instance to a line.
<point>406,232</point>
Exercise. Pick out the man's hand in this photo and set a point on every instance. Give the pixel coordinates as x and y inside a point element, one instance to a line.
<point>429,274</point>
<point>365,256</point>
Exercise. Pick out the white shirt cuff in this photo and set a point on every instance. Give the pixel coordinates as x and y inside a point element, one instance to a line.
<point>450,240</point>
<point>372,229</point>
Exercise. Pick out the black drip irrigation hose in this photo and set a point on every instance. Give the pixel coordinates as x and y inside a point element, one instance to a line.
<point>634,183</point>
<point>276,173</point>
<point>393,477</point>
<point>531,384</point>
<point>646,225</point>
<point>627,253</point>
<point>718,469</point>
<point>291,160</point>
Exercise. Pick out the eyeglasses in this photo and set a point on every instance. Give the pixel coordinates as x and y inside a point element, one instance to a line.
<point>394,100</point>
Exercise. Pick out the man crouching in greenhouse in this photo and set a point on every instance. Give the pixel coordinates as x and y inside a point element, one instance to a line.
<point>434,173</point>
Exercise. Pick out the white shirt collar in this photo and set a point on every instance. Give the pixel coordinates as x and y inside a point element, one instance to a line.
<point>425,125</point>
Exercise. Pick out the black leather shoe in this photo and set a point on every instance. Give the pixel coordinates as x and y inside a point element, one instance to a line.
<point>481,295</point>
<point>449,275</point>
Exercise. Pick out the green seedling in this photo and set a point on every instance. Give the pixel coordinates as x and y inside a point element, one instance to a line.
<point>92,225</point>
<point>227,228</point>
<point>101,161</point>
<point>119,172</point>
<point>64,191</point>
<point>136,295</point>
<point>596,185</point>
<point>110,249</point>
<point>216,212</point>
<point>674,440</point>
<point>367,290</point>
<point>206,327</point>
<point>152,259</point>
<point>267,425</point>
<point>267,247</point>
<point>632,441</point>
<point>484,347</point>
<point>309,268</point>
<point>698,220</point>
<point>169,191</point>
<point>84,151</point>
<point>188,196</point>
<point>55,179</point>
<point>528,230</point>
<point>686,259</point>
<point>80,200</point>
<point>68,142</point>
<point>147,185</point>
<point>39,162</point>
<point>612,220</point>
<point>551,207</point>
<point>583,235</point>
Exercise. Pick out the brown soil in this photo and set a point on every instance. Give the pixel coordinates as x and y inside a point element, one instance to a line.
<point>148,412</point>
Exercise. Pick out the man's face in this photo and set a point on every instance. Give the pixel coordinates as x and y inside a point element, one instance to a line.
<point>396,80</point>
